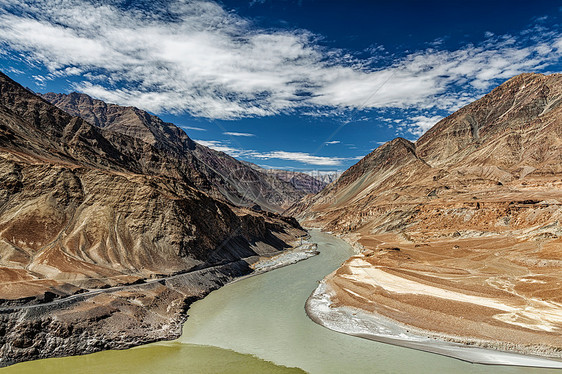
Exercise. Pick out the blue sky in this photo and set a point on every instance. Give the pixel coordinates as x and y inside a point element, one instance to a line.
<point>304,84</point>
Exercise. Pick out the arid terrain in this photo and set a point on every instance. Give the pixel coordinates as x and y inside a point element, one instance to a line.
<point>216,173</point>
<point>460,232</point>
<point>113,222</point>
<point>106,237</point>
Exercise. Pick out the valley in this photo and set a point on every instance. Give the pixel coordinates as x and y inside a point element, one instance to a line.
<point>259,323</point>
<point>289,186</point>
<point>111,232</point>
<point>95,225</point>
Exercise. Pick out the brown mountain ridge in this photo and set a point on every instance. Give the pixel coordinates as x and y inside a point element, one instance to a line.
<point>459,233</point>
<point>85,211</point>
<point>220,175</point>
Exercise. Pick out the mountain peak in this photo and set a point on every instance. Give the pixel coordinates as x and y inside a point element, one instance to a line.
<point>511,132</point>
<point>217,173</point>
<point>475,199</point>
<point>511,107</point>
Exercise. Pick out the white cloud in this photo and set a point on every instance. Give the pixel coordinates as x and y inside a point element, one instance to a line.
<point>305,158</point>
<point>199,58</point>
<point>219,146</point>
<point>418,125</point>
<point>302,157</point>
<point>192,128</point>
<point>40,80</point>
<point>13,70</point>
<point>333,142</point>
<point>245,134</point>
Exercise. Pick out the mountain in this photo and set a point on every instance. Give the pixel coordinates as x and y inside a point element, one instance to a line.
<point>325,177</point>
<point>309,183</point>
<point>221,176</point>
<point>86,211</point>
<point>472,209</point>
<point>511,134</point>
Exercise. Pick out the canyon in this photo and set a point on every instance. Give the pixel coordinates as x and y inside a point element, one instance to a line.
<point>113,222</point>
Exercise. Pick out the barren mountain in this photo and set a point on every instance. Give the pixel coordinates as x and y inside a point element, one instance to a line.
<point>307,183</point>
<point>84,207</point>
<point>460,231</point>
<point>221,176</point>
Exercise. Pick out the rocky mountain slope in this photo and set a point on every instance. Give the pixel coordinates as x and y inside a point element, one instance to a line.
<point>221,176</point>
<point>308,183</point>
<point>460,231</point>
<point>85,207</point>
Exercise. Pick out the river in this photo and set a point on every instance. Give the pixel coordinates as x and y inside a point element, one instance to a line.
<point>258,325</point>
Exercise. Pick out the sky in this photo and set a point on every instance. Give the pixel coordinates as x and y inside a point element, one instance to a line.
<point>290,84</point>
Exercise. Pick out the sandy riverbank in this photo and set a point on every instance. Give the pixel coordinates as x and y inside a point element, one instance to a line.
<point>356,322</point>
<point>300,253</point>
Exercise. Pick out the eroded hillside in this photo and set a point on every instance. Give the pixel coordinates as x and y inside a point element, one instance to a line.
<point>460,231</point>
<point>84,209</point>
<point>216,173</point>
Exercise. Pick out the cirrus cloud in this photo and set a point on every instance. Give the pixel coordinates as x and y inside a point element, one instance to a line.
<point>243,134</point>
<point>302,157</point>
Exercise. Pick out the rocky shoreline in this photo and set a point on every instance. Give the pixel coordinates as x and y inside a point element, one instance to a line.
<point>121,317</point>
<point>372,326</point>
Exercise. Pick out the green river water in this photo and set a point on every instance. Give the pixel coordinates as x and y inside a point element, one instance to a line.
<point>258,325</point>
